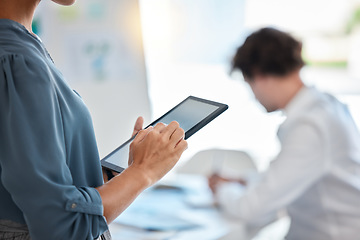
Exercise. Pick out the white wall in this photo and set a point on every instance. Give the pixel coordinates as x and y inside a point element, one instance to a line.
<point>98,47</point>
<point>189,45</point>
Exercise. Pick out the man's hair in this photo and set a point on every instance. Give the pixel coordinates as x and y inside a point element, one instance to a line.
<point>268,51</point>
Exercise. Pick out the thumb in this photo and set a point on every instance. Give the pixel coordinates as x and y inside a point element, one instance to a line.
<point>138,125</point>
<point>142,134</point>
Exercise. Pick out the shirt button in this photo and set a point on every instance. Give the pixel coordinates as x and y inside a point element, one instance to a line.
<point>73,205</point>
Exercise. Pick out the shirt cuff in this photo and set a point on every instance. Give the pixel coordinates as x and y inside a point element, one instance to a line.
<point>90,203</point>
<point>228,194</point>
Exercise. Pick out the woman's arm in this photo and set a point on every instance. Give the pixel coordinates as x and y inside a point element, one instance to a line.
<point>153,153</point>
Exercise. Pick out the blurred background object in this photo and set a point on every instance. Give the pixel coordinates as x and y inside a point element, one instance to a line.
<point>128,58</point>
<point>98,46</point>
<point>224,162</point>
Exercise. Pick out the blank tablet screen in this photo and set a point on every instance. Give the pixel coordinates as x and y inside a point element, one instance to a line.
<point>188,114</point>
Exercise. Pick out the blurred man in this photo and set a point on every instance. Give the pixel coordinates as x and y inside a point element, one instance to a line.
<point>316,175</point>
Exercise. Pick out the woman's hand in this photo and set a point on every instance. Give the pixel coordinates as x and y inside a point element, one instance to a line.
<point>138,125</point>
<point>153,153</point>
<point>156,150</point>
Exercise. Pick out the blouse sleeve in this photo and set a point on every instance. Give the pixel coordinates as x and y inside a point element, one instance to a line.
<point>33,156</point>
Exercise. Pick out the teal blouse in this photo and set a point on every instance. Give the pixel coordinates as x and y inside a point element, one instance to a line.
<point>49,161</point>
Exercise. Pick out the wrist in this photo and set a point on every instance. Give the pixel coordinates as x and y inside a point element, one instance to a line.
<point>142,175</point>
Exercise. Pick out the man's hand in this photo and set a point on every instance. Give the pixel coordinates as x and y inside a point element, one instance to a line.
<point>215,180</point>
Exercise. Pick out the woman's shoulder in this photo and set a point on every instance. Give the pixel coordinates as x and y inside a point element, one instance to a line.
<point>18,51</point>
<point>22,57</point>
<point>22,67</point>
<point>18,44</point>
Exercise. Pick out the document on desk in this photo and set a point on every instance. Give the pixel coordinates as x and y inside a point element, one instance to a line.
<point>166,208</point>
<point>156,210</point>
<point>154,221</point>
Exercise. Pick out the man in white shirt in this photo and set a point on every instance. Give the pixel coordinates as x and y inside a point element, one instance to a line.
<point>316,175</point>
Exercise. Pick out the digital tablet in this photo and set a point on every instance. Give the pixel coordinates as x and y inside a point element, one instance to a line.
<point>192,114</point>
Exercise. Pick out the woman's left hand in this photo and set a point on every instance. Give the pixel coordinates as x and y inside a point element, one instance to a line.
<point>137,127</point>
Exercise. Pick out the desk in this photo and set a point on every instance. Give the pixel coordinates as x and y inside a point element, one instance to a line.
<point>178,208</point>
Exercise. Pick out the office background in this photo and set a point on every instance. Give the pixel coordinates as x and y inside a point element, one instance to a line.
<point>129,58</point>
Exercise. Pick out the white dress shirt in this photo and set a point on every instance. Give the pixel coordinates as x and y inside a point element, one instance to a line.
<point>315,177</point>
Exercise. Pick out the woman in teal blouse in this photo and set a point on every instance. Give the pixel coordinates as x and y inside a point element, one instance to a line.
<point>52,184</point>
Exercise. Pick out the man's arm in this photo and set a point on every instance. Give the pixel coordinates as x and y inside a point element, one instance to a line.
<point>300,163</point>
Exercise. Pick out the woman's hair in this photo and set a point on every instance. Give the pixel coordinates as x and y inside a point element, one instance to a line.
<point>268,51</point>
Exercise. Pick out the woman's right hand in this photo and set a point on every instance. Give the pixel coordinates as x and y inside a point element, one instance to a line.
<point>153,153</point>
<point>156,150</point>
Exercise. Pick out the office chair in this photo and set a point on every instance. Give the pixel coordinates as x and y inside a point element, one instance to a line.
<point>223,161</point>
